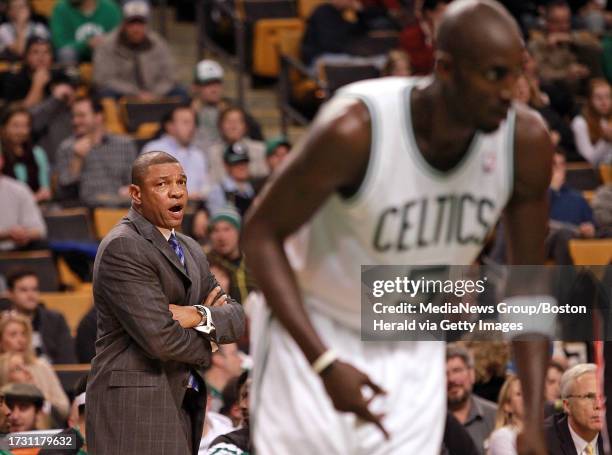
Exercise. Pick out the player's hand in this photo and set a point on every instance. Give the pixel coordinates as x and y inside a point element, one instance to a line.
<point>531,442</point>
<point>187,316</point>
<point>344,384</point>
<point>215,298</point>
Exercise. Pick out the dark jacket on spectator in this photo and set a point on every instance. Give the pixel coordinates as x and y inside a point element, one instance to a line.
<point>57,341</point>
<point>328,32</point>
<point>86,337</point>
<point>559,439</point>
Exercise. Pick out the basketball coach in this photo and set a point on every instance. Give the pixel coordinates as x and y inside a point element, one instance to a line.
<point>160,314</point>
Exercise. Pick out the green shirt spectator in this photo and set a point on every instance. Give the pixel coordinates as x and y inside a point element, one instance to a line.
<point>77,27</point>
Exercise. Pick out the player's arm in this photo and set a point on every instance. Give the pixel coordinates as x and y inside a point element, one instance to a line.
<point>333,157</point>
<point>526,225</point>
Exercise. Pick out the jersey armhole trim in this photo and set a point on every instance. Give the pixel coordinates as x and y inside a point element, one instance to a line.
<point>510,144</point>
<point>375,128</point>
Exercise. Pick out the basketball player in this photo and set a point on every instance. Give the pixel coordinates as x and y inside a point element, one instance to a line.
<point>393,171</point>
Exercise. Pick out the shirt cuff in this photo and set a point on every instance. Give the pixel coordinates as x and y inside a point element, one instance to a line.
<point>208,328</point>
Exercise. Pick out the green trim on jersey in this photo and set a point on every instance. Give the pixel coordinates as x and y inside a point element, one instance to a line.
<point>416,152</point>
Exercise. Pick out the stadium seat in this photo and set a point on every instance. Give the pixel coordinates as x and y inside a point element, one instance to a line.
<point>266,43</point>
<point>69,224</point>
<point>112,117</point>
<point>72,305</point>
<point>136,112</point>
<point>591,251</point>
<point>43,7</point>
<point>305,7</point>
<point>605,172</point>
<point>335,76</point>
<point>70,373</point>
<point>41,261</point>
<point>582,176</point>
<point>254,10</point>
<point>106,218</point>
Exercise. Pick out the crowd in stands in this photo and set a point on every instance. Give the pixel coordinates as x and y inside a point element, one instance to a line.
<point>66,75</point>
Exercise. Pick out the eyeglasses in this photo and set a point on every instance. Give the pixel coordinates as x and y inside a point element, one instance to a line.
<point>592,397</point>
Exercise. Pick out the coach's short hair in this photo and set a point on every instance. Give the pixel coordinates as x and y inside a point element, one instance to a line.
<point>142,163</point>
<point>455,350</point>
<point>570,376</point>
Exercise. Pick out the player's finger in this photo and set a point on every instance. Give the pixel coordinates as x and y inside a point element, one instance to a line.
<point>365,414</point>
<point>212,296</point>
<point>375,387</point>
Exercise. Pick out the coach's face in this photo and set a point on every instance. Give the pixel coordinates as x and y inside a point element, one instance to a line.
<point>162,197</point>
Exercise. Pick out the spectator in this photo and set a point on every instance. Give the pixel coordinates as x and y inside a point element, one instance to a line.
<point>418,39</point>
<point>552,385</point>
<point>16,338</point>
<point>236,188</point>
<point>397,64</point>
<point>51,336</point>
<point>226,364</point>
<point>31,84</point>
<point>215,424</point>
<point>21,224</point>
<point>93,162</point>
<point>51,118</point>
<point>570,214</point>
<point>209,102</point>
<point>24,161</point>
<point>134,60</point>
<point>593,127</point>
<point>177,140</point>
<point>238,441</point>
<point>25,402</point>
<point>225,251</point>
<point>578,430</point>
<point>86,336</point>
<point>233,128</point>
<point>277,150</point>
<point>18,29</point>
<point>491,357</point>
<point>602,211</point>
<point>231,404</point>
<point>78,26</point>
<point>509,418</point>
<point>476,414</point>
<point>555,52</point>
<point>330,37</point>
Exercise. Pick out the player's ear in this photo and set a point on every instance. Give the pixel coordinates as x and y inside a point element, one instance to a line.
<point>444,64</point>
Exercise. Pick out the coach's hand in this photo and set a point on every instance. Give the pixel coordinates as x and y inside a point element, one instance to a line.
<point>216,297</point>
<point>187,316</point>
<point>531,442</point>
<point>344,384</point>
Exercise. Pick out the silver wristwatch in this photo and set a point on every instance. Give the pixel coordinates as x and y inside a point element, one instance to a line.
<point>202,312</point>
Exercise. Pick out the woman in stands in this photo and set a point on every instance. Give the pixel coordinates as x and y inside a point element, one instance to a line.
<point>24,161</point>
<point>593,126</point>
<point>15,33</point>
<point>509,418</point>
<point>18,355</point>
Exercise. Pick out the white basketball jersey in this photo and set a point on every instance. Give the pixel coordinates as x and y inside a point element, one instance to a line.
<point>406,212</point>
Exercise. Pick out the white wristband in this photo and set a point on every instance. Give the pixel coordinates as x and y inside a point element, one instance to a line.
<point>324,360</point>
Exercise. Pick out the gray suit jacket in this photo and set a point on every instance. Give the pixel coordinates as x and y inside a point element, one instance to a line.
<point>143,357</point>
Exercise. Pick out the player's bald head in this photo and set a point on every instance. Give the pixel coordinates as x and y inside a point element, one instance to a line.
<point>143,162</point>
<point>470,28</point>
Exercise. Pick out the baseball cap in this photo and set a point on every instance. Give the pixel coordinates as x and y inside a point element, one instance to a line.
<point>236,153</point>
<point>229,214</point>
<point>271,144</point>
<point>136,9</point>
<point>23,393</point>
<point>208,71</point>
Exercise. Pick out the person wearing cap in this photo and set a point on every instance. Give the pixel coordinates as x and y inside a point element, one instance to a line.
<point>277,150</point>
<point>209,102</point>
<point>236,187</point>
<point>233,129</point>
<point>25,402</point>
<point>135,61</point>
<point>225,226</point>
<point>77,27</point>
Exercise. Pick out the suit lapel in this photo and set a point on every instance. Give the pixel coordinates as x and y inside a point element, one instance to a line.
<point>151,233</point>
